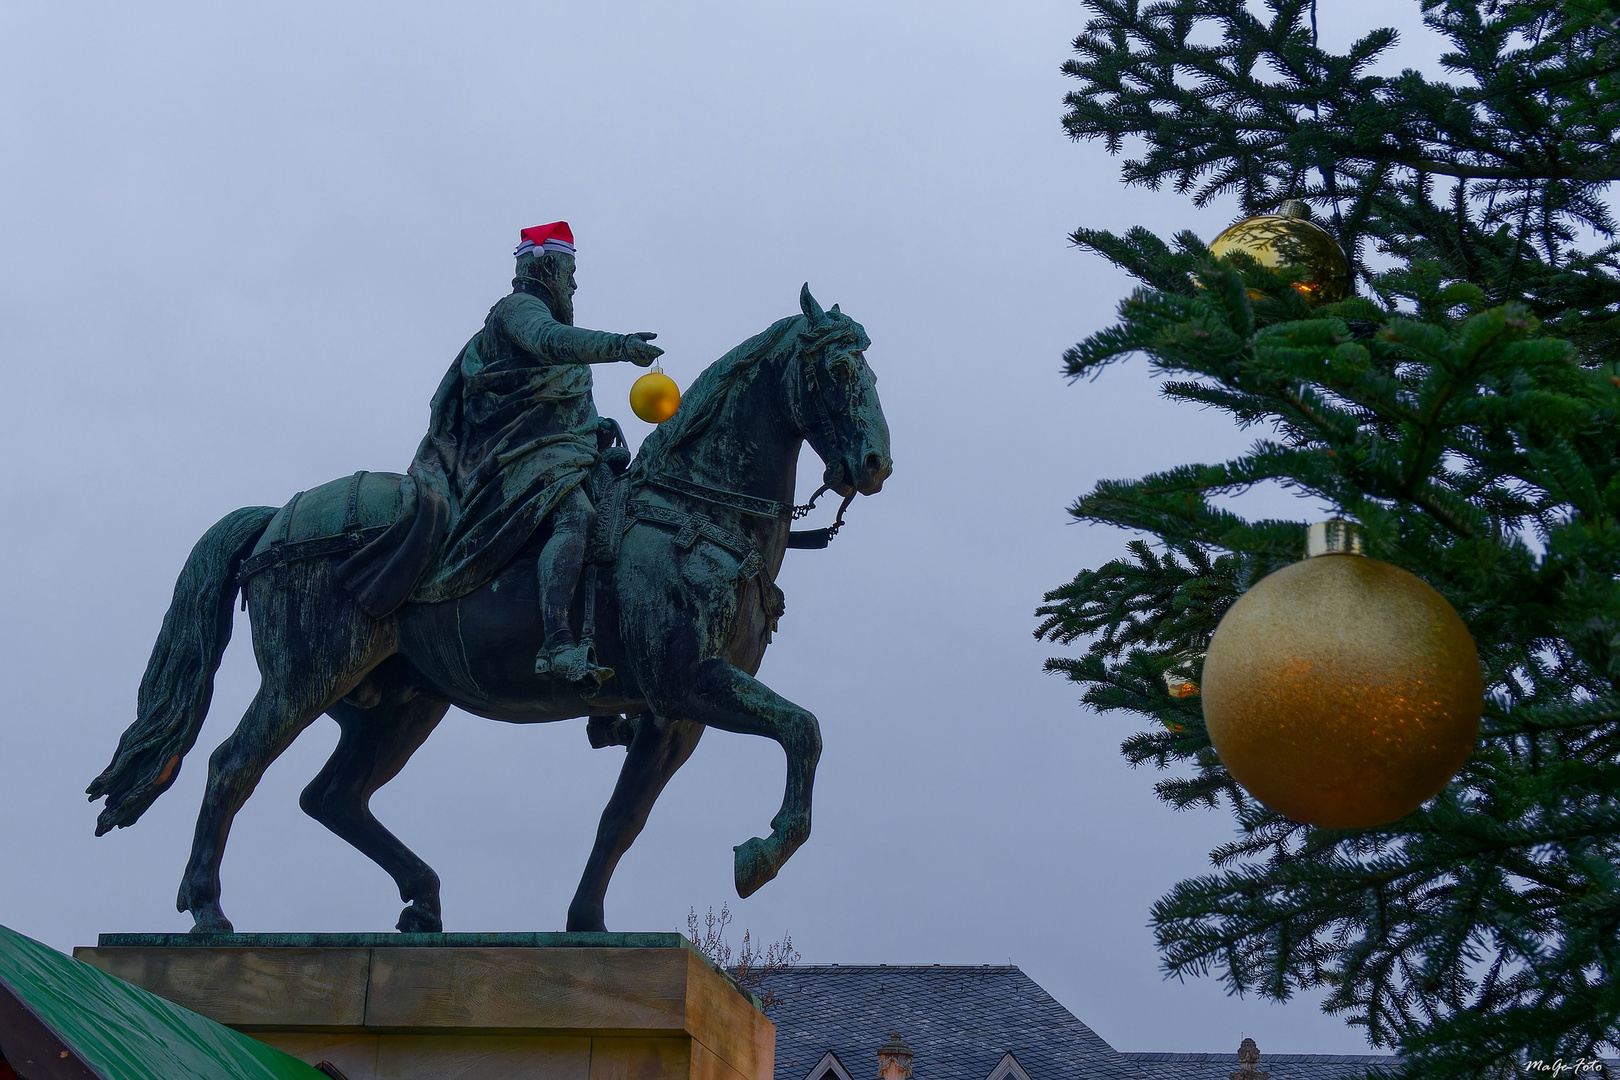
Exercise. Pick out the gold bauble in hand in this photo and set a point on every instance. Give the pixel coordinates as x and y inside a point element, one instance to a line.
<point>1287,240</point>
<point>654,397</point>
<point>1342,691</point>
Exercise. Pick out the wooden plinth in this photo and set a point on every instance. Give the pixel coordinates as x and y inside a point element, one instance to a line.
<point>470,1006</point>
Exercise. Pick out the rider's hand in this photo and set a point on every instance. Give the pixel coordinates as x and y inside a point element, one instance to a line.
<point>638,351</point>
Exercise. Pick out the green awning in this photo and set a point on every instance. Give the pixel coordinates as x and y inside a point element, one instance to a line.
<point>61,1019</point>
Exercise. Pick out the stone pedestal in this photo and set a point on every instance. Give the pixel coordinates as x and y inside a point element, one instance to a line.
<point>469,1006</point>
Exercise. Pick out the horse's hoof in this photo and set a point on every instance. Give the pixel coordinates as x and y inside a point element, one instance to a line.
<point>213,924</point>
<point>416,919</point>
<point>585,922</point>
<point>753,866</point>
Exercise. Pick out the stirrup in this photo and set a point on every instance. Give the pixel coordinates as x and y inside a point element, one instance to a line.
<point>575,664</point>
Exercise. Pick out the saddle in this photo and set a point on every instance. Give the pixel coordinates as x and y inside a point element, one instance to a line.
<point>362,521</point>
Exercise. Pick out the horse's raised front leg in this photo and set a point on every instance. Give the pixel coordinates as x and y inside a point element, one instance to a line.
<point>375,745</point>
<point>658,748</point>
<point>723,696</point>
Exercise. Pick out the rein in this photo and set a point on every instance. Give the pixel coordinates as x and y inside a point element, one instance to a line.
<point>813,539</point>
<point>765,508</point>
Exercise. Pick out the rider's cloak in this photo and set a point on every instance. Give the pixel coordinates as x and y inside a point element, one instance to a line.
<point>513,430</point>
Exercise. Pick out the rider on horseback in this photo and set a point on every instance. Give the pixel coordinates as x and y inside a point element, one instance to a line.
<point>513,435</point>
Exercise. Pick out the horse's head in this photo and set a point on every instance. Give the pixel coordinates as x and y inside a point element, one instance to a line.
<point>835,402</point>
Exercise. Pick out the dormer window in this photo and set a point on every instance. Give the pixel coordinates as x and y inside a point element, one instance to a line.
<point>828,1068</point>
<point>1008,1069</point>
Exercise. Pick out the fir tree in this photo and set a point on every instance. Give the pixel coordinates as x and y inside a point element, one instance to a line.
<point>1464,407</point>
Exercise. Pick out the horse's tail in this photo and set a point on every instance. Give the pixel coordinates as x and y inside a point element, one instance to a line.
<point>179,679</point>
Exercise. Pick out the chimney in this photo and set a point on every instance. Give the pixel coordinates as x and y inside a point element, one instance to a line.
<point>1249,1063</point>
<point>894,1059</point>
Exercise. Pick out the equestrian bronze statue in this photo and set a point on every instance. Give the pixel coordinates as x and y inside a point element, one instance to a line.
<point>527,570</point>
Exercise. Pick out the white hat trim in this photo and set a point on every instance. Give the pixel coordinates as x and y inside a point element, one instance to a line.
<point>528,246</point>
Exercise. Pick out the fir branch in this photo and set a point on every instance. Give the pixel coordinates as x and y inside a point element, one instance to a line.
<point>1477,449</point>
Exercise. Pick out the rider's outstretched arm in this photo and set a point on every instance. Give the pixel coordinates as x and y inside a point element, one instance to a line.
<point>530,323</point>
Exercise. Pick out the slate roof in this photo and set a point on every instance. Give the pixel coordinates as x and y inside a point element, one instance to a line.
<point>1280,1066</point>
<point>961,1022</point>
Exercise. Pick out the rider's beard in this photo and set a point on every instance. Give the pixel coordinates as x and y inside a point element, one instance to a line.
<point>562,305</point>
<point>555,272</point>
<point>552,271</point>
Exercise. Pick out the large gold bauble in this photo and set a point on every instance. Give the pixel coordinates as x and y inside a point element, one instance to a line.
<point>654,397</point>
<point>1342,691</point>
<point>1284,241</point>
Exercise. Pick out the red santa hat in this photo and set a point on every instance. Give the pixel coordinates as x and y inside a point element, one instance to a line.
<point>554,237</point>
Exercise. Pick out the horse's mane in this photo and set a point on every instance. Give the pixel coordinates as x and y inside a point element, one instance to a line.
<point>708,396</point>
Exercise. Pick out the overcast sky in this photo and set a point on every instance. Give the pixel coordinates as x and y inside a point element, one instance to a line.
<point>239,245</point>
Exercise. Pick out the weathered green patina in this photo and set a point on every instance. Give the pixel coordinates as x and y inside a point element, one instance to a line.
<point>489,940</point>
<point>678,602</point>
<point>513,436</point>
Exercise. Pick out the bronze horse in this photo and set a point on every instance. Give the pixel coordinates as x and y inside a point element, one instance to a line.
<point>682,614</point>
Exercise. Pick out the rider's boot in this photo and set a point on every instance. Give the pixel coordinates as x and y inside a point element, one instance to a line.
<point>563,658</point>
<point>558,571</point>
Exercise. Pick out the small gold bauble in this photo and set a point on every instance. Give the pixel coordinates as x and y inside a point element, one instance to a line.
<point>1178,680</point>
<point>1180,686</point>
<point>1288,240</point>
<point>1342,691</point>
<point>654,397</point>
